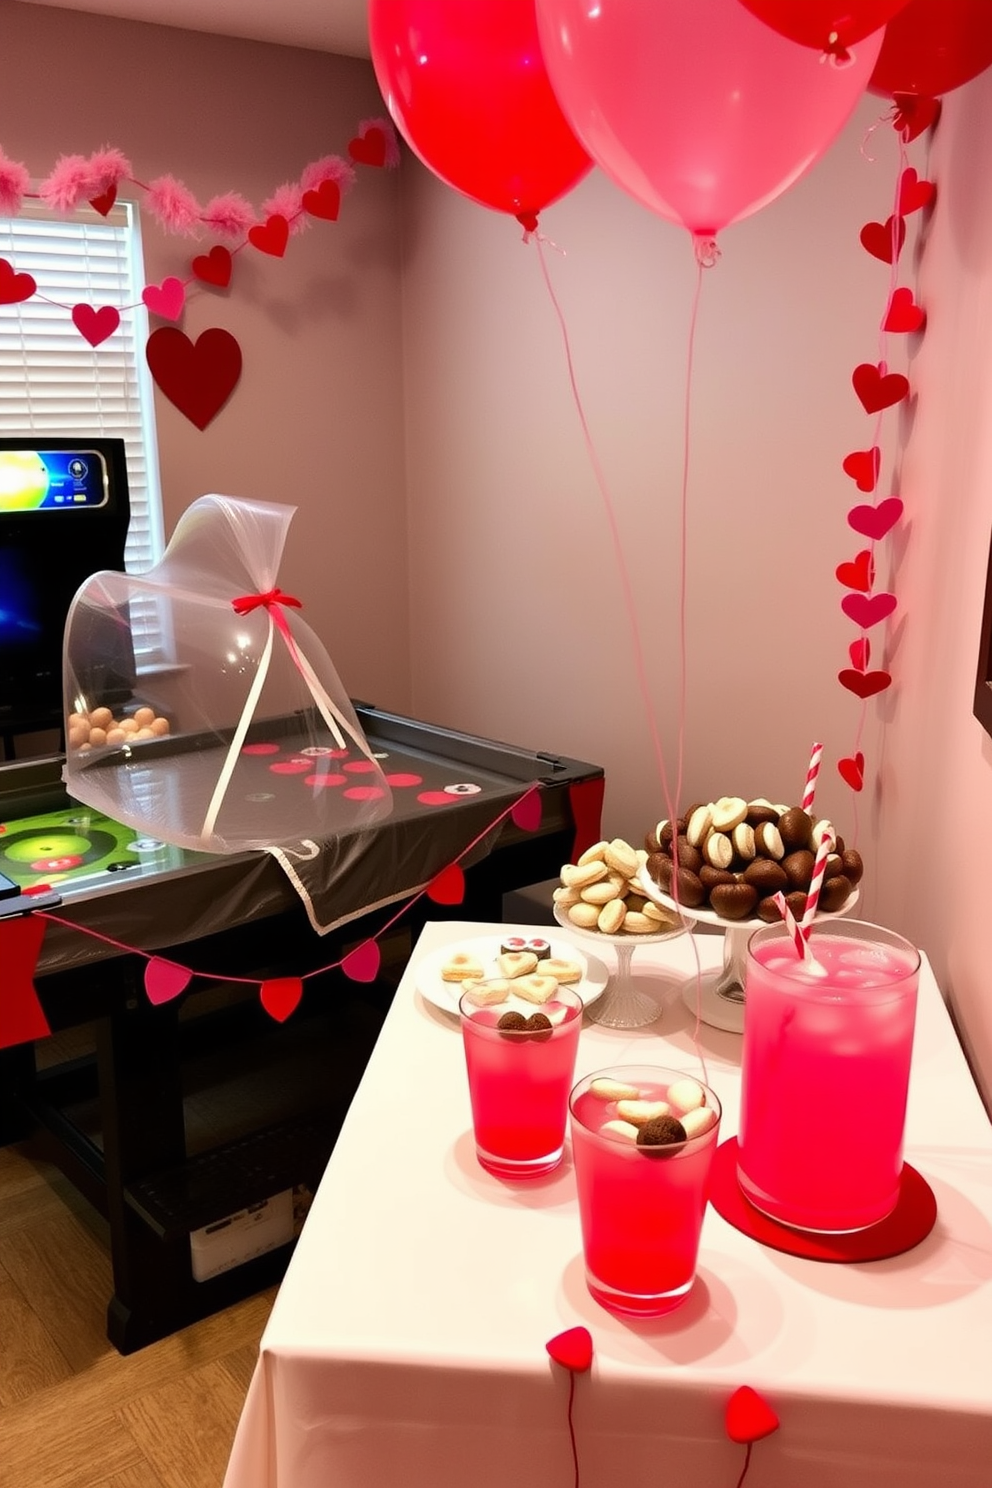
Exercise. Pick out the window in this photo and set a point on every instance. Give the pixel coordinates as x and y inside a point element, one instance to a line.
<point>53,382</point>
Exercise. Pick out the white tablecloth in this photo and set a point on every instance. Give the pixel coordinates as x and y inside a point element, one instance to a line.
<point>407,1343</point>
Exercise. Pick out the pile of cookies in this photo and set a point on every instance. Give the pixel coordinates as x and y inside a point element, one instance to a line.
<point>734,855</point>
<point>525,969</point>
<point>100,728</point>
<point>602,891</point>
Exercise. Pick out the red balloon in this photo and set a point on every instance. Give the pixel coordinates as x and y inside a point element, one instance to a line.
<point>466,85</point>
<point>828,25</point>
<point>933,46</point>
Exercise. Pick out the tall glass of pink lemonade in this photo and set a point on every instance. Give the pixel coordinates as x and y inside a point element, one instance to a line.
<point>643,1140</point>
<point>825,1074</point>
<point>518,1080</point>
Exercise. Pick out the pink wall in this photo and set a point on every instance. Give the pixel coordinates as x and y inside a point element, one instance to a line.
<point>316,420</point>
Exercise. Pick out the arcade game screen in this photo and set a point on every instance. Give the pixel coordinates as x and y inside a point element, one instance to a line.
<point>44,479</point>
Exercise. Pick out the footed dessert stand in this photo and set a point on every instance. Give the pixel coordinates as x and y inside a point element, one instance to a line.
<point>624,1004</point>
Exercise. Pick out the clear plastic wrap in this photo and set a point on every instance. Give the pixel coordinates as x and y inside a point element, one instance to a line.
<point>243,737</point>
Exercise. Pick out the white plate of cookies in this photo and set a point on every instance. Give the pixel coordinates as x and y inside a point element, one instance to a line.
<point>530,968</point>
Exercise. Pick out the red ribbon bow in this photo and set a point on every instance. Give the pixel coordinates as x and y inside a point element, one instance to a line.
<point>245,603</point>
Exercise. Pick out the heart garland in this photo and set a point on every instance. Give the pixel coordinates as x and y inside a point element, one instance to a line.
<point>878,389</point>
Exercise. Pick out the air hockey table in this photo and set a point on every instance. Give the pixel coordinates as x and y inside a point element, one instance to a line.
<point>116,1116</point>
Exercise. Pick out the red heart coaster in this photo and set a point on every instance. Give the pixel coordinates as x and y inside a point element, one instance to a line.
<point>368,148</point>
<point>448,886</point>
<point>197,376</point>
<point>281,996</point>
<point>214,267</point>
<point>748,1417</point>
<point>866,610</point>
<point>884,240</point>
<point>875,521</point>
<point>914,114</point>
<point>878,389</point>
<point>14,287</point>
<point>270,236</point>
<point>166,299</point>
<point>852,770</point>
<point>859,574</point>
<point>95,325</point>
<point>324,201</point>
<point>863,466</point>
<point>572,1349</point>
<point>864,684</point>
<point>860,653</point>
<point>914,194</point>
<point>903,313</point>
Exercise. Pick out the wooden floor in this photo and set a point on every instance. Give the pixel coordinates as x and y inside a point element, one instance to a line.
<point>73,1412</point>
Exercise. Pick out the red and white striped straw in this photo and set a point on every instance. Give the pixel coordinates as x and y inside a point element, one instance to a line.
<point>824,850</point>
<point>798,938</point>
<point>809,790</point>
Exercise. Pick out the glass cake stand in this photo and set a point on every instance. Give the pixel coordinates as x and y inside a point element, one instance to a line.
<point>623,1004</point>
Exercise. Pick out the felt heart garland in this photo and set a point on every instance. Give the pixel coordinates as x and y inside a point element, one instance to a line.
<point>214,267</point>
<point>95,325</point>
<point>14,287</point>
<point>863,467</point>
<point>166,299</point>
<point>903,313</point>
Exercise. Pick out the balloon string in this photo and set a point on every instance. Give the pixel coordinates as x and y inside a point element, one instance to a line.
<point>747,1464</point>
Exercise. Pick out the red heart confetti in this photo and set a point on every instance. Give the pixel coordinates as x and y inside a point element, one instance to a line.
<point>324,201</point>
<point>914,193</point>
<point>876,521</point>
<point>166,299</point>
<point>448,886</point>
<point>14,287</point>
<point>864,684</point>
<point>903,313</point>
<point>105,201</point>
<point>214,267</point>
<point>852,770</point>
<point>866,610</point>
<point>858,574</point>
<point>748,1417</point>
<point>95,325</point>
<point>863,466</point>
<point>362,964</point>
<point>165,980</point>
<point>572,1349</point>
<point>860,653</point>
<point>526,813</point>
<point>878,389</point>
<point>884,240</point>
<point>368,148</point>
<point>198,377</point>
<point>281,996</point>
<point>270,236</point>
<point>914,114</point>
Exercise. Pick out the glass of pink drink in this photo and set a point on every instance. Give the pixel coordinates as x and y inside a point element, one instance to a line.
<point>518,1083</point>
<point>642,1205</point>
<point>826,1073</point>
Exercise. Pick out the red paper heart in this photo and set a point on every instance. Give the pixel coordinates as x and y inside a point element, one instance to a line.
<point>903,313</point>
<point>368,148</point>
<point>868,611</point>
<point>22,1016</point>
<point>280,996</point>
<point>95,325</point>
<point>863,466</point>
<point>864,684</point>
<point>198,377</point>
<point>572,1349</point>
<point>166,299</point>
<point>852,770</point>
<point>165,980</point>
<point>914,114</point>
<point>860,653</point>
<point>270,236</point>
<point>526,813</point>
<point>748,1417</point>
<point>858,574</point>
<point>884,240</point>
<point>362,964</point>
<point>214,267</point>
<point>875,521</point>
<point>104,201</point>
<point>448,886</point>
<point>324,201</point>
<point>14,287</point>
<point>878,389</point>
<point>914,194</point>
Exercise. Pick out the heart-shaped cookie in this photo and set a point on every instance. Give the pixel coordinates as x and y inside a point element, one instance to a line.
<point>514,964</point>
<point>539,989</point>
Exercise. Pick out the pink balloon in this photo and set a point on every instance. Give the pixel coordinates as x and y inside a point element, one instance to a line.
<point>695,107</point>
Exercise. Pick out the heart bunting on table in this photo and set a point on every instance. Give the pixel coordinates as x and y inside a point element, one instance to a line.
<point>878,521</point>
<point>903,314</point>
<point>362,964</point>
<point>852,771</point>
<point>859,573</point>
<point>197,376</point>
<point>877,388</point>
<point>864,684</point>
<point>165,980</point>
<point>868,610</point>
<point>884,240</point>
<point>281,996</point>
<point>448,886</point>
<point>863,467</point>
<point>526,813</point>
<point>748,1417</point>
<point>572,1349</point>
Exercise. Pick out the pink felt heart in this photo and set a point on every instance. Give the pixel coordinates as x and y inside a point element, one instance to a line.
<point>280,996</point>
<point>864,684</point>
<point>914,114</point>
<point>748,1417</point>
<point>903,313</point>
<point>448,886</point>
<point>166,299</point>
<point>914,194</point>
<point>105,201</point>
<point>571,1349</point>
<point>324,201</point>
<point>866,610</point>
<point>14,287</point>
<point>878,389</point>
<point>875,521</point>
<point>270,236</point>
<point>859,573</point>
<point>362,964</point>
<point>214,267</point>
<point>862,466</point>
<point>884,240</point>
<point>860,653</point>
<point>197,376</point>
<point>526,813</point>
<point>852,770</point>
<point>368,148</point>
<point>164,980</point>
<point>95,325</point>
